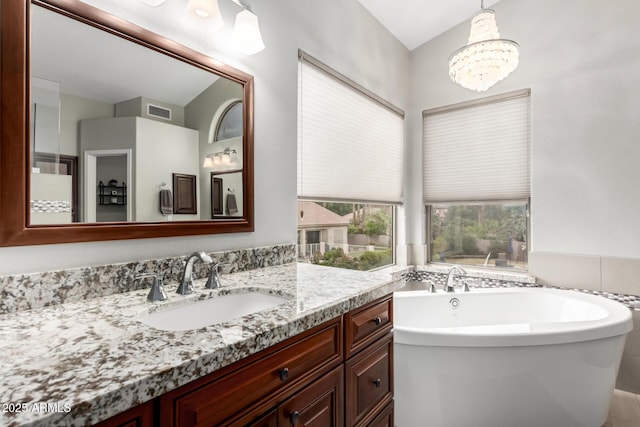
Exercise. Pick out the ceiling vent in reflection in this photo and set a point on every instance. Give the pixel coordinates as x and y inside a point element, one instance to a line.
<point>159,112</point>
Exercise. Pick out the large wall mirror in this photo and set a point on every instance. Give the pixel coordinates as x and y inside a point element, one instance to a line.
<point>112,132</point>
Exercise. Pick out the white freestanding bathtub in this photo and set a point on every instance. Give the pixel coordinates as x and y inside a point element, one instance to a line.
<point>512,357</point>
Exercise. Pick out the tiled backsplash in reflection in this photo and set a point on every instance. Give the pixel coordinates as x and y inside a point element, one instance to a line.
<point>28,291</point>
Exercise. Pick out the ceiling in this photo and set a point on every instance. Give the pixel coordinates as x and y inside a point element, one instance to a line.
<point>414,22</point>
<point>64,50</point>
<point>61,47</point>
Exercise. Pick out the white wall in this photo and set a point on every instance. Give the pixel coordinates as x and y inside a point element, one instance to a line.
<point>162,149</point>
<point>339,32</point>
<point>72,110</point>
<point>203,114</point>
<point>580,59</point>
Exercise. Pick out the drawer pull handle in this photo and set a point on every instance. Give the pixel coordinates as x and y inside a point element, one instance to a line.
<point>294,417</point>
<point>377,321</point>
<point>378,383</point>
<point>284,374</point>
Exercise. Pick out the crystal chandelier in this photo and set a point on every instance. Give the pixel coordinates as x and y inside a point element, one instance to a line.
<point>487,58</point>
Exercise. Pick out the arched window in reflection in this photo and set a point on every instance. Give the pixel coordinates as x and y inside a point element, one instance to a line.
<point>230,123</point>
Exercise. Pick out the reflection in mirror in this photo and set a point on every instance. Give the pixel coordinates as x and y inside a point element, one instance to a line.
<point>131,118</point>
<point>226,199</point>
<point>230,124</point>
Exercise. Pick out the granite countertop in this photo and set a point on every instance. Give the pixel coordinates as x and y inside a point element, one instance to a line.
<point>80,363</point>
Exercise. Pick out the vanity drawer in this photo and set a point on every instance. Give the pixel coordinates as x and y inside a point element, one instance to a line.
<point>369,381</point>
<point>384,418</point>
<point>221,398</point>
<point>366,324</point>
<point>319,404</point>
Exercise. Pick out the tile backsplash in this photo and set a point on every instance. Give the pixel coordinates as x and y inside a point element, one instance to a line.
<point>29,291</point>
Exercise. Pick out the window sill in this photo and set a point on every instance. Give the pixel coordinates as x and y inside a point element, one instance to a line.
<point>480,272</point>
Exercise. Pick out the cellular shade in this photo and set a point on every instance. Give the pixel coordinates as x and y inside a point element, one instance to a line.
<point>478,151</point>
<point>350,143</point>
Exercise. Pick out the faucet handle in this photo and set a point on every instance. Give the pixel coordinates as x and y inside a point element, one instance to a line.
<point>157,292</point>
<point>213,281</point>
<point>432,286</point>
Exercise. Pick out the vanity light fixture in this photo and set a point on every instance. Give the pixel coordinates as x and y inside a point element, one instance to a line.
<point>205,15</point>
<point>486,59</point>
<point>224,158</point>
<point>246,33</point>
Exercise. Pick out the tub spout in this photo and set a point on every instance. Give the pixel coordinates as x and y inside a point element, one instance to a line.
<point>454,269</point>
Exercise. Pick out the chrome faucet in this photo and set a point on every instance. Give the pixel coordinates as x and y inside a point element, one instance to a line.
<point>449,286</point>
<point>186,281</point>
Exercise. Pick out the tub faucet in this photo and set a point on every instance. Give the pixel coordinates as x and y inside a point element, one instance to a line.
<point>186,281</point>
<point>454,269</point>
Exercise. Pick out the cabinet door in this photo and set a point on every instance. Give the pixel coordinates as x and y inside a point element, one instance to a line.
<point>318,405</point>
<point>369,385</point>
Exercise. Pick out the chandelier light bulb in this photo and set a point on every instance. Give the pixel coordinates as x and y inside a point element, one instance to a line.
<point>486,59</point>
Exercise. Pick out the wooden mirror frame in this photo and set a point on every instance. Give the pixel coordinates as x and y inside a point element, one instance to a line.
<point>14,131</point>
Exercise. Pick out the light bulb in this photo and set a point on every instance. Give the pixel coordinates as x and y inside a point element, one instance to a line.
<point>152,3</point>
<point>246,33</point>
<point>205,15</point>
<point>234,157</point>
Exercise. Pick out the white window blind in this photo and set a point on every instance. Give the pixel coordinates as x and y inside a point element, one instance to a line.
<point>478,151</point>
<point>350,143</point>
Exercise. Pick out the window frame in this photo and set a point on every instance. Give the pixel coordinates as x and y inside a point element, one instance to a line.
<point>394,227</point>
<point>428,230</point>
<point>304,60</point>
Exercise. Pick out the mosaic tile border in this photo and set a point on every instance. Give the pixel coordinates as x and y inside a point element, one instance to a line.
<point>50,206</point>
<point>35,290</point>
<point>439,279</point>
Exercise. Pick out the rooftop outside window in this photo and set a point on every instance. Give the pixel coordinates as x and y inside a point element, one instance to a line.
<point>347,235</point>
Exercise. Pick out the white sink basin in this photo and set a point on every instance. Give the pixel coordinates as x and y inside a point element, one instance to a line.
<point>210,311</point>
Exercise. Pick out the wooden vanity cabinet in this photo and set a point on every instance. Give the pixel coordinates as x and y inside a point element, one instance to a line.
<point>337,374</point>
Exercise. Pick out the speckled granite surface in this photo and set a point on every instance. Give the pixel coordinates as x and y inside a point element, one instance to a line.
<point>36,290</point>
<point>92,359</point>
